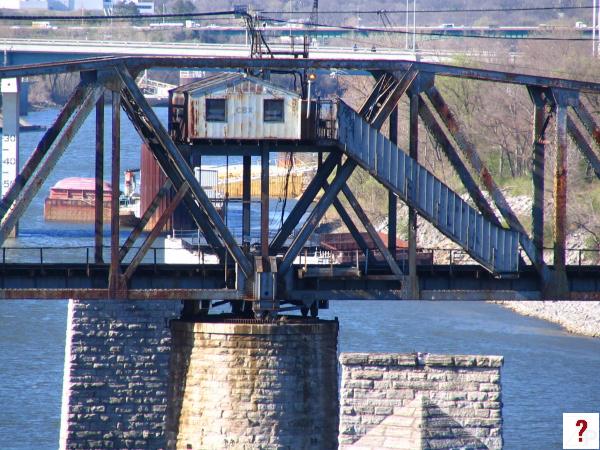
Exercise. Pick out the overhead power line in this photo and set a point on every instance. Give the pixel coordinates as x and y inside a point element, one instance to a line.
<point>306,13</point>
<point>441,32</point>
<point>426,11</point>
<point>121,17</point>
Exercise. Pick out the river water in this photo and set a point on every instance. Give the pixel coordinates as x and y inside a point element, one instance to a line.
<point>546,371</point>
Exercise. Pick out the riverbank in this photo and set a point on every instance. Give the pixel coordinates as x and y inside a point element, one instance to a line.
<point>576,317</point>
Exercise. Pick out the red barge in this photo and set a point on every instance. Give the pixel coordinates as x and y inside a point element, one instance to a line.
<point>73,200</point>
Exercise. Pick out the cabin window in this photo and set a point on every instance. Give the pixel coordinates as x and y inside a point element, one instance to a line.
<point>216,109</point>
<point>273,110</point>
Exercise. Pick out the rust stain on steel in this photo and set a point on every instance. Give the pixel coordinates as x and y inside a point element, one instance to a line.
<point>133,294</point>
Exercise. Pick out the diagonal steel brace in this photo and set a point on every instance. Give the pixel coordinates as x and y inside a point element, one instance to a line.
<point>177,162</point>
<point>469,151</point>
<point>316,215</point>
<point>49,151</point>
<point>389,258</point>
<point>304,202</point>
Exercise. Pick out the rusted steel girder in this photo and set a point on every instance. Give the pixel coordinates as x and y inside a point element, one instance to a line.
<point>540,123</point>
<point>316,214</point>
<point>77,111</point>
<point>179,164</point>
<point>158,227</point>
<point>264,205</point>
<point>560,192</point>
<point>246,199</point>
<point>362,216</point>
<point>384,81</point>
<point>131,294</point>
<point>582,144</point>
<point>139,227</point>
<point>99,183</point>
<point>587,120</point>
<point>138,63</point>
<point>436,131</point>
<point>392,99</point>
<point>413,152</point>
<point>81,92</point>
<point>116,283</point>
<point>468,149</point>
<point>304,202</point>
<point>196,212</point>
<point>392,198</point>
<point>337,204</point>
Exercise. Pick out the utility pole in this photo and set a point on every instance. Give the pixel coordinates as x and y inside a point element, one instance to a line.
<point>594,24</point>
<point>414,46</point>
<point>406,28</point>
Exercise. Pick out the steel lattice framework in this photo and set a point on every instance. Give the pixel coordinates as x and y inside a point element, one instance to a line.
<point>489,230</point>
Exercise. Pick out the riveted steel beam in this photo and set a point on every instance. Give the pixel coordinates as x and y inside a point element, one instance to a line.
<point>78,110</point>
<point>137,63</point>
<point>116,285</point>
<point>437,132</point>
<point>587,120</point>
<point>413,152</point>
<point>316,214</point>
<point>392,198</point>
<point>582,144</point>
<point>540,123</point>
<point>246,198</point>
<point>73,105</point>
<point>304,202</point>
<point>339,207</point>
<point>383,83</point>
<point>158,227</point>
<point>393,98</point>
<point>99,183</point>
<point>470,153</point>
<point>264,205</point>
<point>196,212</point>
<point>139,227</point>
<point>362,216</point>
<point>178,163</point>
<point>562,100</point>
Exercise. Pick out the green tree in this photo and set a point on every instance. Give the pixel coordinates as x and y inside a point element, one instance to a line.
<point>126,9</point>
<point>183,7</point>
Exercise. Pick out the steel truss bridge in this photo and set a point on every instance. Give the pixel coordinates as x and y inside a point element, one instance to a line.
<point>508,262</point>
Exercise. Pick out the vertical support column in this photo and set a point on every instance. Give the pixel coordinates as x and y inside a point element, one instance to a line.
<point>264,205</point>
<point>412,214</point>
<point>246,199</point>
<point>538,169</point>
<point>99,186</point>
<point>392,199</point>
<point>115,272</point>
<point>560,194</point>
<point>10,136</point>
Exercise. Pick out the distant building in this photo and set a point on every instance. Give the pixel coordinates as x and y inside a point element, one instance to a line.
<point>24,4</point>
<point>86,4</point>
<point>144,6</point>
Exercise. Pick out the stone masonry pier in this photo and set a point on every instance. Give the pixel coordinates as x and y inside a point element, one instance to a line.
<point>420,401</point>
<point>249,384</point>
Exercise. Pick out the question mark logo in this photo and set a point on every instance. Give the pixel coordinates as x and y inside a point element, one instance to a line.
<point>583,424</point>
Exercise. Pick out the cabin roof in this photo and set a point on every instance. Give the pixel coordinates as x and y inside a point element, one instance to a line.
<point>221,81</point>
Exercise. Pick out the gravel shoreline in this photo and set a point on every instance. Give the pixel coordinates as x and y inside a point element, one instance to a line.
<point>576,317</point>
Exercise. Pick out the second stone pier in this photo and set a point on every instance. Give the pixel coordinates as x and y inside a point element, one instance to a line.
<point>251,384</point>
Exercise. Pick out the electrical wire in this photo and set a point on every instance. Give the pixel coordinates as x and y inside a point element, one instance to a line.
<point>426,11</point>
<point>119,17</point>
<point>441,33</point>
